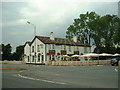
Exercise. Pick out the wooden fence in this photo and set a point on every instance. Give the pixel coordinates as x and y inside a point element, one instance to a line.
<point>78,63</point>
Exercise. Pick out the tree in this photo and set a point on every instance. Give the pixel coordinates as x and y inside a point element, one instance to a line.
<point>104,31</point>
<point>80,27</point>
<point>18,53</point>
<point>6,52</point>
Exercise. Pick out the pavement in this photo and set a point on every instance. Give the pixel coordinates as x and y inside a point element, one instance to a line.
<point>40,76</point>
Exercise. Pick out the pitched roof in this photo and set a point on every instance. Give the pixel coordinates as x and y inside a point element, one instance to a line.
<point>29,43</point>
<point>59,41</point>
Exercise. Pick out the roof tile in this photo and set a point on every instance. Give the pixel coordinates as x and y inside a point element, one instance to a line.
<point>59,41</point>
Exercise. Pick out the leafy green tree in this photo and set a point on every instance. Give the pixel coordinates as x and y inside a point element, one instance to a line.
<point>104,31</point>
<point>6,52</point>
<point>80,27</point>
<point>117,31</point>
<point>7,55</point>
<point>19,52</point>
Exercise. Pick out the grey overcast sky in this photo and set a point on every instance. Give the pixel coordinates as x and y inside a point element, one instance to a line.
<point>48,16</point>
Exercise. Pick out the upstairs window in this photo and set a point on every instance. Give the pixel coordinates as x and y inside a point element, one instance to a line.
<point>77,47</point>
<point>61,47</point>
<point>70,48</point>
<point>38,48</point>
<point>74,48</point>
<point>64,47</point>
<point>85,49</point>
<point>41,45</point>
<point>53,46</point>
<point>49,46</point>
<point>32,48</point>
<point>63,52</point>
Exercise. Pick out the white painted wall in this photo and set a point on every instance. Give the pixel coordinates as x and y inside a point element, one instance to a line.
<point>26,52</point>
<point>58,49</point>
<point>42,50</point>
<point>45,49</point>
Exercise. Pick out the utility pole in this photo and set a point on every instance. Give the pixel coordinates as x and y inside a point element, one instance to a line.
<point>34,36</point>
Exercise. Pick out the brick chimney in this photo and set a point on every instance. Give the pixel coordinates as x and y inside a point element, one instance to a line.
<point>75,38</point>
<point>52,36</point>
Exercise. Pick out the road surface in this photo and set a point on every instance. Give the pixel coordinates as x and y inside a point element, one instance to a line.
<point>61,77</point>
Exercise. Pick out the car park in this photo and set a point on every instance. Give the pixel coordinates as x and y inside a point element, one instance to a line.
<point>115,61</point>
<point>119,63</point>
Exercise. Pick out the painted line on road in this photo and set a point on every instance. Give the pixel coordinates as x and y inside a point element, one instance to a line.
<point>116,70</point>
<point>57,74</point>
<point>99,65</point>
<point>20,71</point>
<point>39,79</point>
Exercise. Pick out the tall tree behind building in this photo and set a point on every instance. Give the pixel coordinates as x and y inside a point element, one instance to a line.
<point>17,55</point>
<point>104,31</point>
<point>80,27</point>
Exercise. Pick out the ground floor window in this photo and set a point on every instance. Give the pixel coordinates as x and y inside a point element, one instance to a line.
<point>32,58</point>
<point>50,57</point>
<point>28,59</point>
<point>53,58</point>
<point>38,58</point>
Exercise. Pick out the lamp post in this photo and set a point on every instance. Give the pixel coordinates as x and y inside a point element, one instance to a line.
<point>33,26</point>
<point>34,36</point>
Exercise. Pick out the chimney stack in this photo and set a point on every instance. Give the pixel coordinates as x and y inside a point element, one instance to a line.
<point>75,38</point>
<point>52,37</point>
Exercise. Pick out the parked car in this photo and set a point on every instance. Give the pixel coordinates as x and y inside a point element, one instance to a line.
<point>115,61</point>
<point>119,63</point>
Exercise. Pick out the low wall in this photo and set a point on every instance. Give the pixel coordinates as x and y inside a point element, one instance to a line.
<point>79,63</point>
<point>66,63</point>
<point>12,62</point>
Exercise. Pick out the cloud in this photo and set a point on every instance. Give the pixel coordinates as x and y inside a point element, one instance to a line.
<point>48,16</point>
<point>60,0</point>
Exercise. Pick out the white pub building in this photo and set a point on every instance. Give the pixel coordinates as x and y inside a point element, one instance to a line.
<point>43,49</point>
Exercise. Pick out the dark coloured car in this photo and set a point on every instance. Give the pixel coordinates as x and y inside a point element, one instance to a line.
<point>115,61</point>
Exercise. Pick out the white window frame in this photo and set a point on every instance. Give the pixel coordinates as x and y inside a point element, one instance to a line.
<point>38,48</point>
<point>32,48</point>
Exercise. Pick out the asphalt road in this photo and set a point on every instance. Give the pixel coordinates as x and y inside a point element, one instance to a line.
<point>61,77</point>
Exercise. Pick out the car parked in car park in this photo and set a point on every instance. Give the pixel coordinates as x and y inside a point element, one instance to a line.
<point>119,63</point>
<point>115,61</point>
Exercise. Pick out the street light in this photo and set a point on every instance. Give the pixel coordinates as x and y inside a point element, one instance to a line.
<point>34,35</point>
<point>34,27</point>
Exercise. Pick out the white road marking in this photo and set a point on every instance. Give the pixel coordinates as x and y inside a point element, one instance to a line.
<point>57,74</point>
<point>38,79</point>
<point>20,71</point>
<point>99,65</point>
<point>116,70</point>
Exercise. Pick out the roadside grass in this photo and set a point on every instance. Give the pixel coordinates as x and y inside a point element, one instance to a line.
<point>11,69</point>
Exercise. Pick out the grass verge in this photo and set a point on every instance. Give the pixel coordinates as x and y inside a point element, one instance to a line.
<point>11,69</point>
